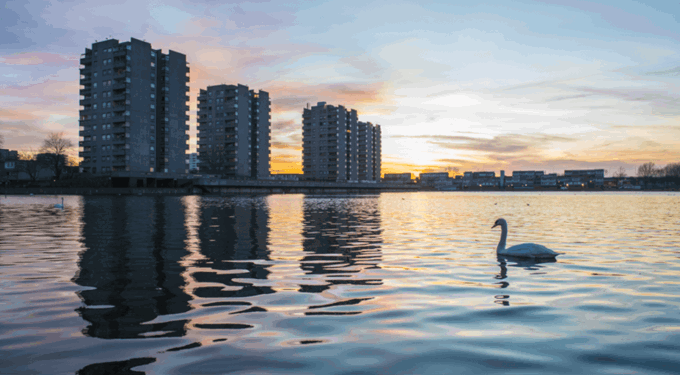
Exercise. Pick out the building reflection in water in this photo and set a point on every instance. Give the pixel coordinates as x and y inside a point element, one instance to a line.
<point>133,254</point>
<point>341,239</point>
<point>233,235</point>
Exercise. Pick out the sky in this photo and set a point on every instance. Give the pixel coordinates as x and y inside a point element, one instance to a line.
<point>466,86</point>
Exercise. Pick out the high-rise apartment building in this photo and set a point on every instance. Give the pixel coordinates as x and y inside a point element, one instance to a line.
<point>133,113</point>
<point>234,131</point>
<point>368,151</point>
<point>336,146</point>
<point>329,143</point>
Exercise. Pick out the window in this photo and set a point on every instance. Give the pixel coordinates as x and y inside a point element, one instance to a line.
<point>153,64</point>
<point>129,47</point>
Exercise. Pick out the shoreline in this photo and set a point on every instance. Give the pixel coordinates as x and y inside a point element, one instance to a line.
<point>265,191</point>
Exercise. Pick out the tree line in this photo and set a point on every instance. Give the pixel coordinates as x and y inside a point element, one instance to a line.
<point>650,169</point>
<point>52,155</point>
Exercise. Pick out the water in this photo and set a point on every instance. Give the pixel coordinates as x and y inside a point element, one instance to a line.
<point>375,284</point>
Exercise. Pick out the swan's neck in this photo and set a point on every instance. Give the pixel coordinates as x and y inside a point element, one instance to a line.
<point>504,235</point>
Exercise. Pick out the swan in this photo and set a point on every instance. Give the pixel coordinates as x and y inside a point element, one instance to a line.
<point>525,250</point>
<point>60,205</point>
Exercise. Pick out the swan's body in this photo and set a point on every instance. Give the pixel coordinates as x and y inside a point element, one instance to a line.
<point>60,205</point>
<point>525,250</point>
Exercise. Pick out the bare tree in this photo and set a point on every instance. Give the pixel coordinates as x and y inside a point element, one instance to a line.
<point>646,170</point>
<point>55,148</point>
<point>451,170</point>
<point>28,164</point>
<point>672,170</point>
<point>620,173</point>
<point>72,165</point>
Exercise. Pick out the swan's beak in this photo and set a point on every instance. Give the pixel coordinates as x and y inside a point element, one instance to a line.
<point>494,226</point>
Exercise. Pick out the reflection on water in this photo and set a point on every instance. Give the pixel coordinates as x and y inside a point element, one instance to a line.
<point>532,265</point>
<point>232,236</point>
<point>132,262</point>
<point>391,283</point>
<point>341,238</point>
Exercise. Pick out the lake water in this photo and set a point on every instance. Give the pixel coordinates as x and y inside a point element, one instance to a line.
<point>371,284</point>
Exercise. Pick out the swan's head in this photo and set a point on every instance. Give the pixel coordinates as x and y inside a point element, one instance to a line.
<point>500,222</point>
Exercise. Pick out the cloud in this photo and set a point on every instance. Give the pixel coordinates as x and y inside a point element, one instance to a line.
<point>668,72</point>
<point>44,59</point>
<point>500,144</point>
<point>286,146</point>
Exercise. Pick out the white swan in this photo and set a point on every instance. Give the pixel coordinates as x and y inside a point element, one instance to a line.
<point>60,205</point>
<point>525,250</point>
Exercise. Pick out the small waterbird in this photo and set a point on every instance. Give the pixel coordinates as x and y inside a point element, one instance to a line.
<point>525,250</point>
<point>60,205</point>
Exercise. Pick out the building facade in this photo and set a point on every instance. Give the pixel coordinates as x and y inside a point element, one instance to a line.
<point>526,178</point>
<point>330,143</point>
<point>234,126</point>
<point>193,162</point>
<point>368,151</point>
<point>133,113</point>
<point>591,177</point>
<point>398,177</point>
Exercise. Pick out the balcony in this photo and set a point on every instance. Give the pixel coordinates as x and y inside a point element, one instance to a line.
<point>86,60</point>
<point>118,151</point>
<point>117,96</point>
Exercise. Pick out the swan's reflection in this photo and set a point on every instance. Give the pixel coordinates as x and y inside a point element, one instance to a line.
<point>525,263</point>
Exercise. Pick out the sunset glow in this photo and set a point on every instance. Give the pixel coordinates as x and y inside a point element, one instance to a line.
<point>525,85</point>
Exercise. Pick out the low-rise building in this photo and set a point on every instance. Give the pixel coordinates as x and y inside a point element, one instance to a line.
<point>398,177</point>
<point>435,179</point>
<point>587,177</point>
<point>549,180</point>
<point>526,179</point>
<point>480,179</point>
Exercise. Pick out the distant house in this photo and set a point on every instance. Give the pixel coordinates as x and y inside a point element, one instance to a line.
<point>398,177</point>
<point>8,160</point>
<point>587,177</point>
<point>480,179</point>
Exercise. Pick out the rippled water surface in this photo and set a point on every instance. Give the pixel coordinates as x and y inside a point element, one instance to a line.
<point>375,284</point>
